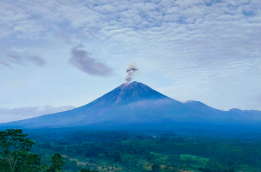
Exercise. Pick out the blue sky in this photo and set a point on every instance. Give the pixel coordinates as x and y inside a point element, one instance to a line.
<point>60,54</point>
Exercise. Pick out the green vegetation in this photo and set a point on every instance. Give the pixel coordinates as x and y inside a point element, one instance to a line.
<point>112,151</point>
<point>15,155</point>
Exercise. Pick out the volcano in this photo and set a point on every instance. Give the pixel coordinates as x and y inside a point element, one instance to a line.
<point>137,103</point>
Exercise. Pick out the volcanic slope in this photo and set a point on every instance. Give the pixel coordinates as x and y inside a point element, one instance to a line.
<point>130,103</point>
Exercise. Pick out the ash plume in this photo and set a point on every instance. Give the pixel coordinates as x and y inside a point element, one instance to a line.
<point>131,69</point>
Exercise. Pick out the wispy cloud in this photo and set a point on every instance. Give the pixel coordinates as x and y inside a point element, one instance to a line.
<point>83,61</point>
<point>64,37</point>
<point>2,62</point>
<point>21,57</point>
<point>8,115</point>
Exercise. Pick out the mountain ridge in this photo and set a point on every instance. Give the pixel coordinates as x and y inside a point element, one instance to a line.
<point>132,103</point>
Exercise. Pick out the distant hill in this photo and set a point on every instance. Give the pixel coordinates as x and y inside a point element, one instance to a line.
<point>138,104</point>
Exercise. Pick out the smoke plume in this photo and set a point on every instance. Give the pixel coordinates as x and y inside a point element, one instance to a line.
<point>131,69</point>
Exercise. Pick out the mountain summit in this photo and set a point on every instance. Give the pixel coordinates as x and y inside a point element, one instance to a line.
<point>131,103</point>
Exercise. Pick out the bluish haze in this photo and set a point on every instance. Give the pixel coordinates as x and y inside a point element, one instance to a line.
<point>56,55</point>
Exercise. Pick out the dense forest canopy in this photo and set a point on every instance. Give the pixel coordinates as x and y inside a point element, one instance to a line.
<point>99,150</point>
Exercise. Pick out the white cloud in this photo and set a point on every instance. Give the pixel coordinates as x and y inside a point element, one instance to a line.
<point>8,115</point>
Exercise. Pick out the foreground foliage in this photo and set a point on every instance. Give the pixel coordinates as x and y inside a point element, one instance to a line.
<point>15,155</point>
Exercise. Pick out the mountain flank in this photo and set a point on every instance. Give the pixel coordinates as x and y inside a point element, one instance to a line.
<point>136,103</point>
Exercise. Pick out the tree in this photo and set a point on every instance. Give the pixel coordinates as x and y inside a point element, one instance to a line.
<point>57,163</point>
<point>14,150</point>
<point>15,155</point>
<point>28,162</point>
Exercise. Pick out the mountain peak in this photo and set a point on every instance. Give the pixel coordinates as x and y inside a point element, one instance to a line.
<point>132,84</point>
<point>136,91</point>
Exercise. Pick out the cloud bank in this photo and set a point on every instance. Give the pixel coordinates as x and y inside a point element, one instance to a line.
<point>8,115</point>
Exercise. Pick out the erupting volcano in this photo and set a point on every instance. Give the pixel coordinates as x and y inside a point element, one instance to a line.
<point>136,103</point>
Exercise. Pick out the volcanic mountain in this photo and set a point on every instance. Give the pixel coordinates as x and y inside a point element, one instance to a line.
<point>136,103</point>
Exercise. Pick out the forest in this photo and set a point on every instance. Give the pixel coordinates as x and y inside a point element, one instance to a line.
<point>157,151</point>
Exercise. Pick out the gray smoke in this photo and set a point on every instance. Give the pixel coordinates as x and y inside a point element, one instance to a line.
<point>83,61</point>
<point>131,70</point>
